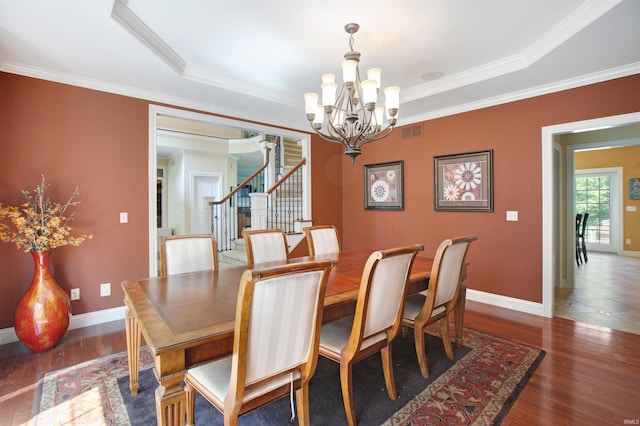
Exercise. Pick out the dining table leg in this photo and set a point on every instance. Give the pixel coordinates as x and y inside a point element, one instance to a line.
<point>133,350</point>
<point>171,400</point>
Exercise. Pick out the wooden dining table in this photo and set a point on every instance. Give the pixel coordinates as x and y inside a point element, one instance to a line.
<point>187,319</point>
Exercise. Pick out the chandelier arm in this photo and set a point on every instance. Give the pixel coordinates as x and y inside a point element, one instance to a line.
<point>331,139</point>
<point>382,134</point>
<point>334,131</point>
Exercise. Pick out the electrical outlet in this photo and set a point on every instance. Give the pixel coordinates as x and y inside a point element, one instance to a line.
<point>628,241</point>
<point>75,294</point>
<point>124,217</point>
<point>512,216</point>
<point>105,289</point>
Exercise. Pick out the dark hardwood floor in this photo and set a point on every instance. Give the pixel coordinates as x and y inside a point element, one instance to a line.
<point>590,375</point>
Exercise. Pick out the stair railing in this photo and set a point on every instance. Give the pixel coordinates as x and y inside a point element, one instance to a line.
<point>284,206</point>
<point>229,215</point>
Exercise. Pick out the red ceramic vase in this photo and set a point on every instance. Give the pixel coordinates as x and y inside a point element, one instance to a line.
<point>42,315</point>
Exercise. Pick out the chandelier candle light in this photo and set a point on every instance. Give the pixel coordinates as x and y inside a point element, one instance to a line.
<point>353,117</point>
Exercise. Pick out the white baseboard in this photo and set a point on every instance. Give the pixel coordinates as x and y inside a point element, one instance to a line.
<point>8,335</point>
<point>506,302</point>
<point>631,253</point>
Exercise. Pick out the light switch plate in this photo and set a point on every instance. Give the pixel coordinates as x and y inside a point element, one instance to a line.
<point>632,208</point>
<point>105,289</point>
<point>512,216</point>
<point>124,217</point>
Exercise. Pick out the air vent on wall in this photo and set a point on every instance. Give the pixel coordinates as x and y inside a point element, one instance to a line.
<point>412,131</point>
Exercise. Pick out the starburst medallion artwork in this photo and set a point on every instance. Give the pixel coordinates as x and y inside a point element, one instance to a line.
<point>383,186</point>
<point>464,182</point>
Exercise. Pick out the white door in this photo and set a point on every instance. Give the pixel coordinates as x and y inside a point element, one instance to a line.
<point>204,188</point>
<point>597,193</point>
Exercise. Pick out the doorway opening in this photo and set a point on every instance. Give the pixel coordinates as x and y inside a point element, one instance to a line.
<point>182,146</point>
<point>557,249</point>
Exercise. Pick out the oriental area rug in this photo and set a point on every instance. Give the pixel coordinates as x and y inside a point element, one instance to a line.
<point>478,387</point>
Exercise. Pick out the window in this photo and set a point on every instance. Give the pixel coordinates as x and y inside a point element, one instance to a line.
<point>593,196</point>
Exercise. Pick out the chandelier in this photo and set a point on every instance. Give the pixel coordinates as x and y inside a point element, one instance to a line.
<point>353,117</point>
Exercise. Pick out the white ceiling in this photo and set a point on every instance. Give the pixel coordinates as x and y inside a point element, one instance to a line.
<point>255,59</point>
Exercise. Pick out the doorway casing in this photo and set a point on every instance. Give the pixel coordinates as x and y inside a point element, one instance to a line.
<point>550,240</point>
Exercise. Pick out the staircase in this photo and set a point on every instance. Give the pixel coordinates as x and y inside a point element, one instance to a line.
<point>282,208</point>
<point>235,257</point>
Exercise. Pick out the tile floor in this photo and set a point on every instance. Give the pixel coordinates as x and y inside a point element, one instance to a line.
<point>607,293</point>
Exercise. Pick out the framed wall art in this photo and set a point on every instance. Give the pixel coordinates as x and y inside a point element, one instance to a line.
<point>634,189</point>
<point>383,186</point>
<point>464,182</point>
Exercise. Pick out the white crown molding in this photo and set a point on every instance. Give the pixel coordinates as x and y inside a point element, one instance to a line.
<point>216,80</point>
<point>558,86</point>
<point>134,25</point>
<point>102,86</point>
<point>132,92</point>
<point>567,28</point>
<point>465,78</point>
<point>581,18</point>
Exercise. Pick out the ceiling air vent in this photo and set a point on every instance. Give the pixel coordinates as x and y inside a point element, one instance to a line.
<point>412,132</point>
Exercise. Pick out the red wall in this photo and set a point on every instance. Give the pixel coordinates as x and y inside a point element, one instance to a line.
<point>99,142</point>
<point>507,258</point>
<point>76,137</point>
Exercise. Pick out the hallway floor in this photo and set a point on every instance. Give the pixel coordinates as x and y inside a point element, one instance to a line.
<point>607,293</point>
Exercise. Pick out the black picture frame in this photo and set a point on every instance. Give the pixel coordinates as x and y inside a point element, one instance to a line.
<point>384,186</point>
<point>464,182</point>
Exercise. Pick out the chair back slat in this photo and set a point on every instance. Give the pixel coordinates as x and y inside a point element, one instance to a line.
<point>446,273</point>
<point>449,272</point>
<point>283,313</point>
<point>382,291</point>
<point>322,239</point>
<point>388,289</point>
<point>267,245</point>
<point>187,253</point>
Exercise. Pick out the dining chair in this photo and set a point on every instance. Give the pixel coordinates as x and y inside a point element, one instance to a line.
<point>322,239</point>
<point>583,241</point>
<point>440,299</point>
<point>578,248</point>
<point>376,320</point>
<point>275,343</point>
<point>187,253</point>
<point>265,245</point>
